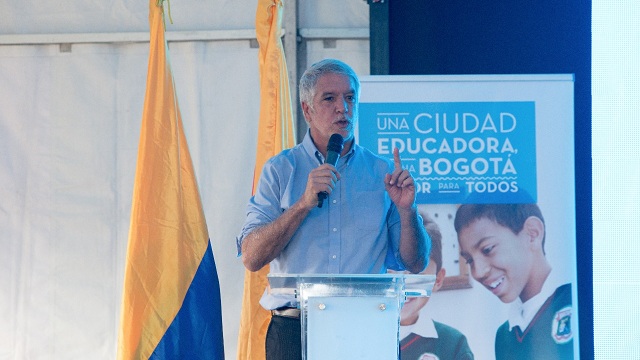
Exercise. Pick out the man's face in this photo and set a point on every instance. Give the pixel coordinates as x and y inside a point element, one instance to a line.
<point>334,109</point>
<point>499,259</point>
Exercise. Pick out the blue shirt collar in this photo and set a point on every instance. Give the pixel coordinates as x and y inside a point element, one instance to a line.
<point>312,149</point>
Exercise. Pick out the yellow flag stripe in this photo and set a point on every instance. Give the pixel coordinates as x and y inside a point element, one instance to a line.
<point>168,233</point>
<point>276,131</point>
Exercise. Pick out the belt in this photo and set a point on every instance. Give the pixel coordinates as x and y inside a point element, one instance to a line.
<point>293,313</point>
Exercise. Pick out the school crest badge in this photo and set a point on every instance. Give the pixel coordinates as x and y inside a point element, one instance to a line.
<point>561,326</point>
<point>428,356</point>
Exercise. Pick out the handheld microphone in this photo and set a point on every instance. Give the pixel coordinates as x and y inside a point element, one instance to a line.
<point>334,148</point>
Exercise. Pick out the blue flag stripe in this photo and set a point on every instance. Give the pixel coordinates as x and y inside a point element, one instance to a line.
<point>196,331</point>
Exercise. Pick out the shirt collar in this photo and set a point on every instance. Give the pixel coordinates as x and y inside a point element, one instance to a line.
<point>423,327</point>
<point>312,150</point>
<point>521,313</point>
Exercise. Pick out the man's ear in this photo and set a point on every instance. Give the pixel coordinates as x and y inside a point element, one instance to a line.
<point>305,110</point>
<point>534,229</point>
<point>440,275</point>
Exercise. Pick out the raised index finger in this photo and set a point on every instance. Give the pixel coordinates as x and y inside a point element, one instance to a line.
<point>397,163</point>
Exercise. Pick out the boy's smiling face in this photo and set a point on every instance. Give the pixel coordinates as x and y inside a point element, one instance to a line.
<point>412,305</point>
<point>499,259</point>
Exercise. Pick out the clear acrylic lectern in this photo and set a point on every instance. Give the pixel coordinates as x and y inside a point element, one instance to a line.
<point>350,316</point>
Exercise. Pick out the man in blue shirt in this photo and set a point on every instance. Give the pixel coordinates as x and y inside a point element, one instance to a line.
<point>369,221</point>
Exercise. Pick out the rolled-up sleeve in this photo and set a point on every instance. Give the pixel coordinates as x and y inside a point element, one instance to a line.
<point>264,206</point>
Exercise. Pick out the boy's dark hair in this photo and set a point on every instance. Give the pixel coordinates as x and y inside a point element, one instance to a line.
<point>511,216</point>
<point>436,241</point>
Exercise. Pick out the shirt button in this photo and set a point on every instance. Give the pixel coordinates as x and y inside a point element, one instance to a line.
<point>335,201</point>
<point>333,257</point>
<point>335,229</point>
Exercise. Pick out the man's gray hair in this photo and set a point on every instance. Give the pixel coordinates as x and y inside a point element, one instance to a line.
<point>309,79</point>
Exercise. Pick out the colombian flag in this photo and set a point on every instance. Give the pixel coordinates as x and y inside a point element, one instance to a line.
<point>276,132</point>
<point>171,301</point>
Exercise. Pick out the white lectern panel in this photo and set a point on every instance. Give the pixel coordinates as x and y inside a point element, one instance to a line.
<point>350,316</point>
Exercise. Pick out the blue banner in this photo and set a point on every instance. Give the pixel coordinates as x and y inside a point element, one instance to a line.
<point>458,152</point>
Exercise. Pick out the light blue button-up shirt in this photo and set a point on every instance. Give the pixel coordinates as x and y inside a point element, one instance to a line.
<point>356,231</point>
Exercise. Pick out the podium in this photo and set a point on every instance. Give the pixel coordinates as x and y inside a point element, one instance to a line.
<point>350,316</point>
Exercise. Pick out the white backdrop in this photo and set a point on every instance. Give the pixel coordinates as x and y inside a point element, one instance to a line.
<point>70,129</point>
<point>69,126</point>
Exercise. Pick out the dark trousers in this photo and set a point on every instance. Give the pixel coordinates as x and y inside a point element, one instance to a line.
<point>284,339</point>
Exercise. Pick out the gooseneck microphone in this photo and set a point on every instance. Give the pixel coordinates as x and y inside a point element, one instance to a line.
<point>334,149</point>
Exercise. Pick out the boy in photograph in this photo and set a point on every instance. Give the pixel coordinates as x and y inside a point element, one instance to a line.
<point>422,338</point>
<point>504,246</point>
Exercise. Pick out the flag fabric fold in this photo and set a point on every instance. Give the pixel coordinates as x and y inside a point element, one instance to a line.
<point>171,299</point>
<point>276,132</point>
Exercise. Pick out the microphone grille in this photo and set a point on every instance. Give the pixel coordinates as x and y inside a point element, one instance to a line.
<point>335,143</point>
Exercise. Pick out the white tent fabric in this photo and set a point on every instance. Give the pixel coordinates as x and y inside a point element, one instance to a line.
<point>70,129</point>
<point>95,16</point>
<point>99,16</point>
<point>70,120</point>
